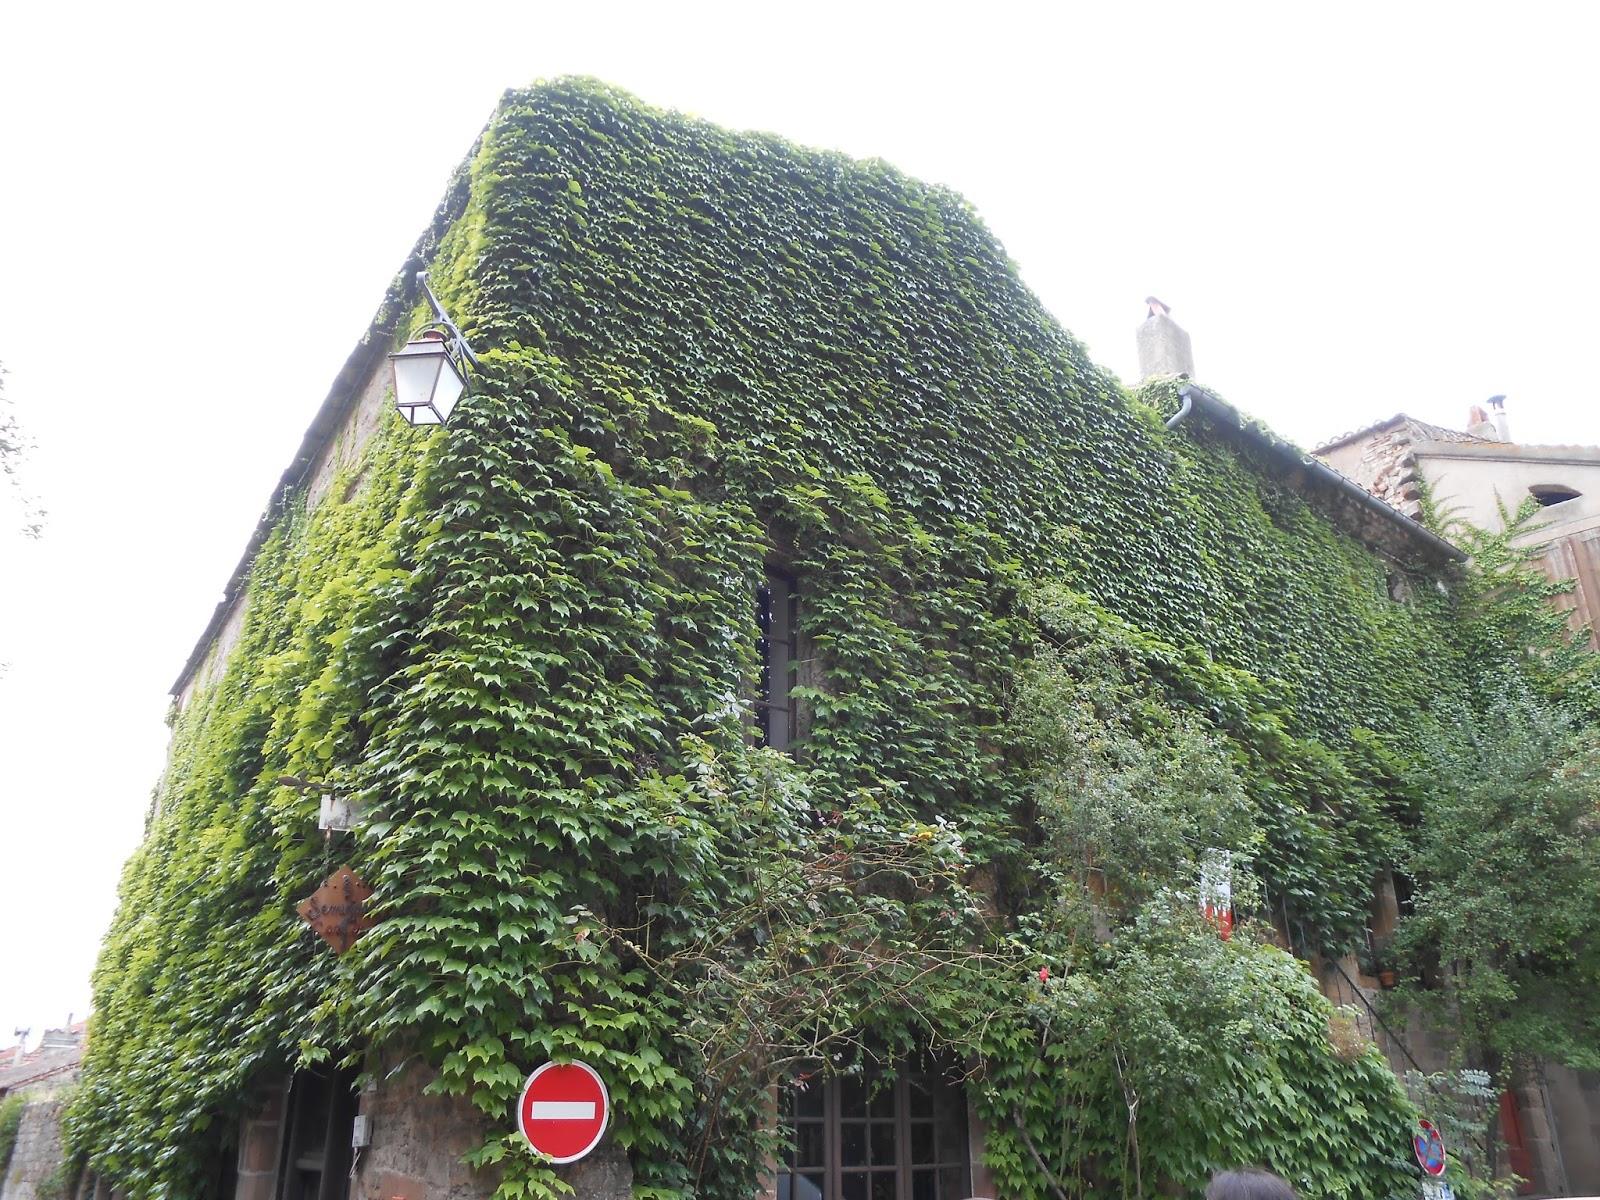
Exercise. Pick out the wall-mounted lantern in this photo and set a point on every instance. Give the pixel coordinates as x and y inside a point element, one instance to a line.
<point>336,813</point>
<point>430,370</point>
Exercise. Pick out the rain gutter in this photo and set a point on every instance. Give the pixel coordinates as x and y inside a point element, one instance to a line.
<point>1293,459</point>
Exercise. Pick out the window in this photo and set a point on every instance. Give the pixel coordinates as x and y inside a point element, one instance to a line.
<point>776,617</point>
<point>1548,494</point>
<point>876,1138</point>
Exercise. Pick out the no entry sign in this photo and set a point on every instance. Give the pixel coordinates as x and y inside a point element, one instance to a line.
<point>564,1110</point>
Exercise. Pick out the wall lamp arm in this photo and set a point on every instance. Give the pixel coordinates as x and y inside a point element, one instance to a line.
<point>442,319</point>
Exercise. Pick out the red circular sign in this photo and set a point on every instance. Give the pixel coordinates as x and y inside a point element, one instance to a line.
<point>1429,1147</point>
<point>564,1110</point>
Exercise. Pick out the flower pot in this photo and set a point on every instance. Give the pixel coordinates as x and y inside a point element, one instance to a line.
<point>1387,978</point>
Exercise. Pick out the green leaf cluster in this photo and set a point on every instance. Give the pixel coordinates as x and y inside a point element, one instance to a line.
<point>1173,1054</point>
<point>1505,926</point>
<point>10,1120</point>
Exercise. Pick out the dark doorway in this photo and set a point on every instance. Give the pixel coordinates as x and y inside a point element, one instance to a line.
<point>316,1152</point>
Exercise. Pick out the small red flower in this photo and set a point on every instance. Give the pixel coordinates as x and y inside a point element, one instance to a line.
<point>1044,974</point>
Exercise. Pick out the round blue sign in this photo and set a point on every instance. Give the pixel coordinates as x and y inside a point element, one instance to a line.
<point>1429,1147</point>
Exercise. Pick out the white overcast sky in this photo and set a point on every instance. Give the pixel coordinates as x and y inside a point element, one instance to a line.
<point>1354,209</point>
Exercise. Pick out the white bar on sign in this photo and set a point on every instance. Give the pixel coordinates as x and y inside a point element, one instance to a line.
<point>561,1110</point>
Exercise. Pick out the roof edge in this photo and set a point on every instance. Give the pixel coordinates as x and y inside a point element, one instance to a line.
<point>373,345</point>
<point>1512,452</point>
<point>1294,458</point>
<point>1345,439</point>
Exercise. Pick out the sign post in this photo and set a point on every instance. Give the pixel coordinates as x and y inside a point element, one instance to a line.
<point>564,1110</point>
<point>1216,890</point>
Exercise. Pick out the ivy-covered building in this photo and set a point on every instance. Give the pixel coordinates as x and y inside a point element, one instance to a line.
<point>687,688</point>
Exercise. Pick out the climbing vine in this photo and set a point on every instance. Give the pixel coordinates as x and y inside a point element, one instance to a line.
<point>526,647</point>
<point>10,1120</point>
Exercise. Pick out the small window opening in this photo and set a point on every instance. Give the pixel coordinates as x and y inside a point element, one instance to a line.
<point>1548,494</point>
<point>777,618</point>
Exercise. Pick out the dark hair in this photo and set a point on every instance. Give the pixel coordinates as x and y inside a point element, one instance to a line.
<point>1248,1183</point>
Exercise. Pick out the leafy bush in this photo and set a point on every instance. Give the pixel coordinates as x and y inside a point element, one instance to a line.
<point>10,1119</point>
<point>1173,1054</point>
<point>1506,920</point>
<point>1151,1051</point>
<point>1465,1106</point>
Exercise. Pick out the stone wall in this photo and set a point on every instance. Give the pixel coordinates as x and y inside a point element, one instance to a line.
<point>1405,1044</point>
<point>1473,481</point>
<point>417,1142</point>
<point>1574,1112</point>
<point>1539,1137</point>
<point>1384,463</point>
<point>36,1158</point>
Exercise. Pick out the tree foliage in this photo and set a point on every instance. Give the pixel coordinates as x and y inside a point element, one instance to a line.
<point>1505,858</point>
<point>1464,1104</point>
<point>1129,793</point>
<point>1153,1051</point>
<point>1507,870</point>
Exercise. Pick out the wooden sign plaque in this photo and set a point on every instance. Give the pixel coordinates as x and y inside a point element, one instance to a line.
<point>334,911</point>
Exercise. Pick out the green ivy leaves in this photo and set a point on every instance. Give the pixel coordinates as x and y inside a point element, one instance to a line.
<point>526,646</point>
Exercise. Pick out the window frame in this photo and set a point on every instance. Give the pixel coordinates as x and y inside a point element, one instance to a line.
<point>1550,495</point>
<point>905,1167</point>
<point>777,595</point>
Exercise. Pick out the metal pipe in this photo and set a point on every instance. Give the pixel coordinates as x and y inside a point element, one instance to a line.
<point>1182,414</point>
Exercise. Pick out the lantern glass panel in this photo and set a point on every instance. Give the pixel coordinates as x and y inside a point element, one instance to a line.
<point>448,389</point>
<point>416,369</point>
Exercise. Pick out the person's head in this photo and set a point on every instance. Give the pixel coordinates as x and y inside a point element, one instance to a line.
<point>1248,1183</point>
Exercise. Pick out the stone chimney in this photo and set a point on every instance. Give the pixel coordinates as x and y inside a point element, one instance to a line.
<point>1163,345</point>
<point>1479,425</point>
<point>1497,407</point>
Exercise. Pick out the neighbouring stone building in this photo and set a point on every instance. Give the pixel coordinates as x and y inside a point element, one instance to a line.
<point>766,448</point>
<point>42,1078</point>
<point>1480,476</point>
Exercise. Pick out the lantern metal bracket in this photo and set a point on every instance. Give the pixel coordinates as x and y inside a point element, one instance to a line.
<point>455,344</point>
